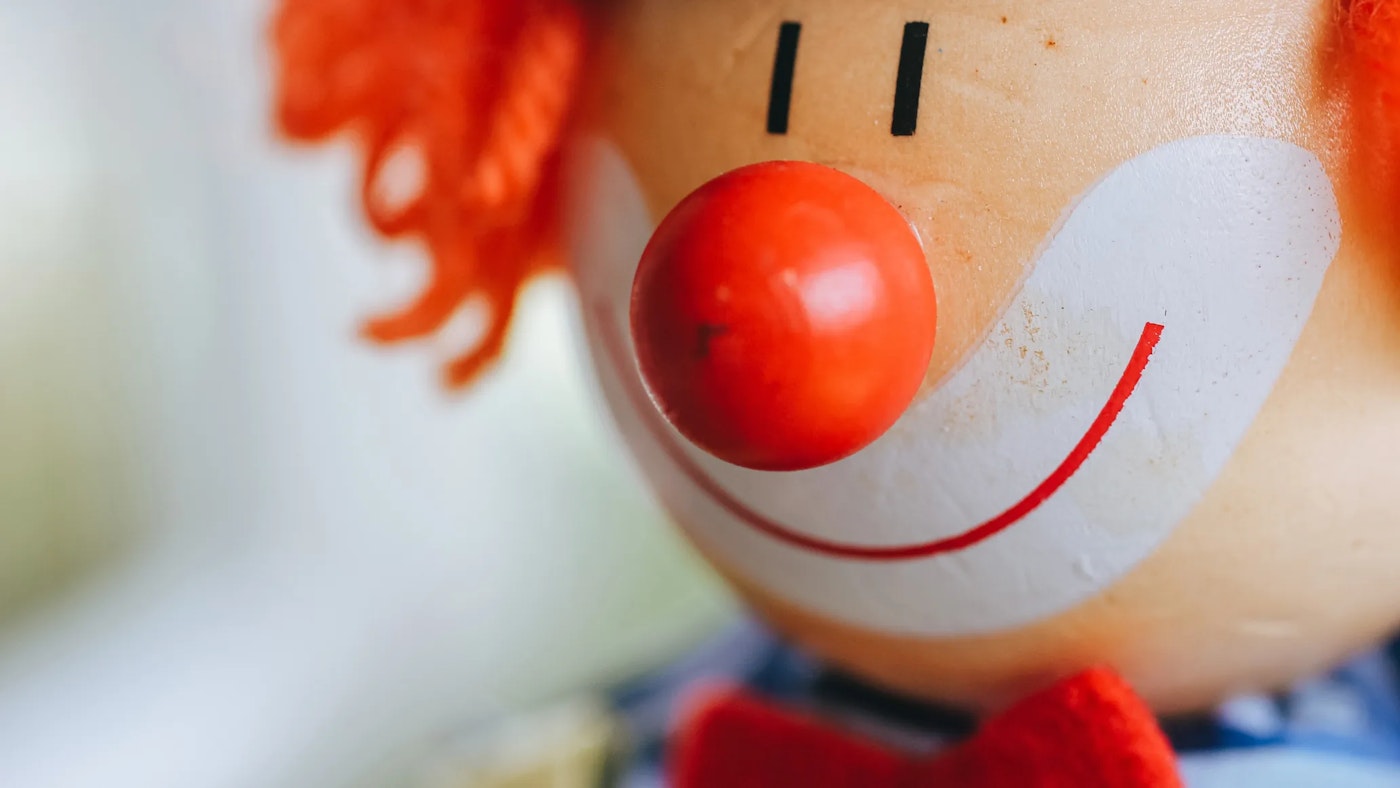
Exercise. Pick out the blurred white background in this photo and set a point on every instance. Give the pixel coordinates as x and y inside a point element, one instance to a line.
<point>238,548</point>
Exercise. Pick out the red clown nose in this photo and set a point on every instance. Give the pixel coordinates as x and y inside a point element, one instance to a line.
<point>783,316</point>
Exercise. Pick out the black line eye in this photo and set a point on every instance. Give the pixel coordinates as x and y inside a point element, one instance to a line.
<point>910,82</point>
<point>784,66</point>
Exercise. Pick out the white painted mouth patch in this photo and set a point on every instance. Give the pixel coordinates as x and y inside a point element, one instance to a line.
<point>1098,411</point>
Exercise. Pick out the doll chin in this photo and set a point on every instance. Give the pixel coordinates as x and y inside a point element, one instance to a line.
<point>1180,658</point>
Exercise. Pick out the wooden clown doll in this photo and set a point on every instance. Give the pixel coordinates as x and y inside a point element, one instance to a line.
<point>1031,368</point>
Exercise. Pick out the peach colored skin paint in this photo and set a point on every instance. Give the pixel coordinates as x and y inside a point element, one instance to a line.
<point>1199,260</point>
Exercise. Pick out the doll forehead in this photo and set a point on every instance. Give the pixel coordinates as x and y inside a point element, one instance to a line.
<point>831,70</point>
<point>970,23</point>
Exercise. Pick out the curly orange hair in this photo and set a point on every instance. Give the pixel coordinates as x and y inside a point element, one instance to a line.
<point>1371,32</point>
<point>1375,29</point>
<point>479,94</point>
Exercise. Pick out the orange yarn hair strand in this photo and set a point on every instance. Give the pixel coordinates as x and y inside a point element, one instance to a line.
<point>477,93</point>
<point>1372,36</point>
<point>1375,29</point>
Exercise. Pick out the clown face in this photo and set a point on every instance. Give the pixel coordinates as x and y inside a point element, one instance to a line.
<point>1158,427</point>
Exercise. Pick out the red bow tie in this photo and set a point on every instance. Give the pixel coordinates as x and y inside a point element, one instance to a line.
<point>1090,731</point>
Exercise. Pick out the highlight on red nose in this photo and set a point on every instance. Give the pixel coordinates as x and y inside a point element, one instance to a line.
<point>783,316</point>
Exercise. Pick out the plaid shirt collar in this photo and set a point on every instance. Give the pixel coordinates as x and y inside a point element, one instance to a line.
<point>1352,712</point>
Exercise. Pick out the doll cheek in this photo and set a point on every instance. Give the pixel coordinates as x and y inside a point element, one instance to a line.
<point>783,316</point>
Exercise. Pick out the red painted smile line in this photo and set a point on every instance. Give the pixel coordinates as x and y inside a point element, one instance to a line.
<point>1127,384</point>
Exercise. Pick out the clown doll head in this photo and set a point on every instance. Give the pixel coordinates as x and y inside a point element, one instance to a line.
<point>975,344</point>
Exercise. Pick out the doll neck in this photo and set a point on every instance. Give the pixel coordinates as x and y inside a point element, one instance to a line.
<point>1354,710</point>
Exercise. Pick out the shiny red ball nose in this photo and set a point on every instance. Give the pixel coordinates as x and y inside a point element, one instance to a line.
<point>783,316</point>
